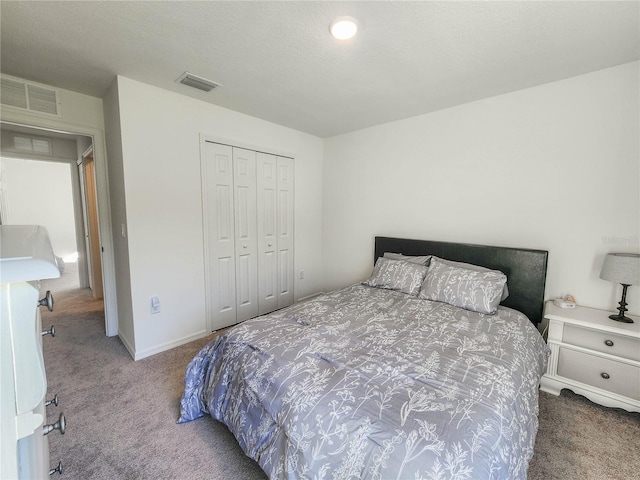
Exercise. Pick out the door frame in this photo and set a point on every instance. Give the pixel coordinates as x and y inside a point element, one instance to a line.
<point>102,193</point>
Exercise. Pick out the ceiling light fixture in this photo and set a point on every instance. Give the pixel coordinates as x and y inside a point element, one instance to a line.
<point>343,28</point>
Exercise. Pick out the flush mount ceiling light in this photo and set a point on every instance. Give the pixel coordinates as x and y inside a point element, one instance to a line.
<point>343,28</point>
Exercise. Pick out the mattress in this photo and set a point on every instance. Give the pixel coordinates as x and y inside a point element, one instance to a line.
<point>372,383</point>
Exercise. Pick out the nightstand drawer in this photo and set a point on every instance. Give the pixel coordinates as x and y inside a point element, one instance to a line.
<point>600,341</point>
<point>622,378</point>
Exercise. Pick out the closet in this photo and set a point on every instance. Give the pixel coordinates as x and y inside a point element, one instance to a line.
<point>248,229</point>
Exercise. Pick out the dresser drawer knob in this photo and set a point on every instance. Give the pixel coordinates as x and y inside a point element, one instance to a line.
<point>58,469</point>
<point>61,425</point>
<point>53,401</point>
<point>605,375</point>
<point>51,331</point>
<point>608,343</point>
<point>47,301</point>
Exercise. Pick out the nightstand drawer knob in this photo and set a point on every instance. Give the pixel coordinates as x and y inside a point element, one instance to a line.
<point>608,343</point>
<point>605,375</point>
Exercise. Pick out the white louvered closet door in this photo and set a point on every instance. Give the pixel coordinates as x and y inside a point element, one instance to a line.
<point>217,172</point>
<point>244,177</point>
<point>267,233</point>
<point>285,231</point>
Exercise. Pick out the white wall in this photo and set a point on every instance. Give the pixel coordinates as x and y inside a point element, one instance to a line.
<point>161,179</point>
<point>555,167</point>
<point>40,193</point>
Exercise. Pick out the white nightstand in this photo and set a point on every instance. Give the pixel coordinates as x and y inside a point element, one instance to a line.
<point>593,356</point>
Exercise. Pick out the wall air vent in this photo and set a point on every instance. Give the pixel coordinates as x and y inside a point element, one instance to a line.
<point>33,145</point>
<point>195,81</point>
<point>26,96</point>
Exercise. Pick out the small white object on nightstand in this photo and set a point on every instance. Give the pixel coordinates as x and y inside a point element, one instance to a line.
<point>563,303</point>
<point>593,356</point>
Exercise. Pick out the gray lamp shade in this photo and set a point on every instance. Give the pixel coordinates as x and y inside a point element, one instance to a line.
<point>621,268</point>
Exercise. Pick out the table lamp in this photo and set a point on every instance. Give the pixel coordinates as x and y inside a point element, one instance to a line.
<point>623,268</point>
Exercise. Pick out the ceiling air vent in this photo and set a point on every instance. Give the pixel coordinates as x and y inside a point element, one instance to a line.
<point>195,81</point>
<point>34,98</point>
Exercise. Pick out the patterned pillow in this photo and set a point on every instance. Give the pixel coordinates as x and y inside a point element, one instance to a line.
<point>397,275</point>
<point>471,266</point>
<point>464,288</point>
<point>421,259</point>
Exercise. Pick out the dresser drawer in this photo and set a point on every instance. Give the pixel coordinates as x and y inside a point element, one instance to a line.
<point>611,343</point>
<point>623,379</point>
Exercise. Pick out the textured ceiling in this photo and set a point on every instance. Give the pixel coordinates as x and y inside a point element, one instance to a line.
<point>276,60</point>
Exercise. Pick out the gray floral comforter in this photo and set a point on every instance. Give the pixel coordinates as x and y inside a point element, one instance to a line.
<point>372,383</point>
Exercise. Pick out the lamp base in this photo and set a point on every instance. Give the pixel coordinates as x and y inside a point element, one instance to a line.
<point>620,318</point>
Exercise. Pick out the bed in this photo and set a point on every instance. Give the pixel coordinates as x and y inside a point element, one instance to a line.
<point>405,376</point>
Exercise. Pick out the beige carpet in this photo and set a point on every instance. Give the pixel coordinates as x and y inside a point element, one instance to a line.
<point>122,414</point>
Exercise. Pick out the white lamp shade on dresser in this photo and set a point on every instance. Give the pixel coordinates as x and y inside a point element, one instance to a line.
<point>623,268</point>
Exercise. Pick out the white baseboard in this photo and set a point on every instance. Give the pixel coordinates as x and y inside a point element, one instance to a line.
<point>169,345</point>
<point>127,345</point>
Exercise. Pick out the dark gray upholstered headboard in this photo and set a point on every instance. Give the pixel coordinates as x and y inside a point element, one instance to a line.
<point>526,270</point>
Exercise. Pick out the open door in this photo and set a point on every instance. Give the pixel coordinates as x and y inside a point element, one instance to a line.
<point>92,231</point>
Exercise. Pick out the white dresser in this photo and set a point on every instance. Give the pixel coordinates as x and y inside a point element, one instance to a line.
<point>593,356</point>
<point>26,256</point>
